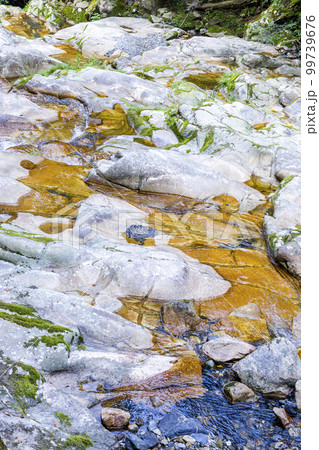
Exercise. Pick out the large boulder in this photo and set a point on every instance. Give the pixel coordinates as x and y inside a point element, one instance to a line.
<point>109,87</point>
<point>272,370</point>
<point>129,35</point>
<point>18,113</point>
<point>283,229</point>
<point>20,56</point>
<point>161,272</point>
<point>172,173</point>
<point>34,414</point>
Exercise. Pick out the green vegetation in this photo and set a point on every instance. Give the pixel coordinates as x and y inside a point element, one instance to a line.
<point>228,81</point>
<point>280,24</point>
<point>282,184</point>
<point>209,139</point>
<point>79,441</point>
<point>49,341</point>
<point>230,20</point>
<point>25,234</point>
<point>25,317</point>
<point>63,418</point>
<point>63,69</point>
<point>22,381</point>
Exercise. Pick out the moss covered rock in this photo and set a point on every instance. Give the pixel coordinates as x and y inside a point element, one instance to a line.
<point>278,25</point>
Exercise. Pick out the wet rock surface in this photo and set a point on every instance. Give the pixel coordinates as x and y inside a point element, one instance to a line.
<point>139,168</point>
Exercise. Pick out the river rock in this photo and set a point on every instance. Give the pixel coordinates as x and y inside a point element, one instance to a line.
<point>238,392</point>
<point>105,217</point>
<point>224,349</point>
<point>50,416</point>
<point>129,34</point>
<point>107,83</point>
<point>20,56</point>
<point>159,272</point>
<point>234,140</point>
<point>176,424</point>
<point>114,418</point>
<point>283,228</point>
<point>296,328</point>
<point>173,173</point>
<point>272,370</point>
<point>225,46</point>
<point>34,341</point>
<point>179,317</point>
<point>18,112</point>
<point>284,418</point>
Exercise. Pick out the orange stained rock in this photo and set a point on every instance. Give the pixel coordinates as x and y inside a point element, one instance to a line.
<point>42,203</point>
<point>263,277</point>
<point>111,122</point>
<point>60,178</point>
<point>260,126</point>
<point>261,185</point>
<point>226,203</point>
<point>219,256</point>
<point>141,311</point>
<point>249,329</point>
<point>276,307</point>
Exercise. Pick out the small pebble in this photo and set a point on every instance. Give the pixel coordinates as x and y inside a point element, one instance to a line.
<point>156,401</point>
<point>156,431</point>
<point>139,421</point>
<point>133,427</point>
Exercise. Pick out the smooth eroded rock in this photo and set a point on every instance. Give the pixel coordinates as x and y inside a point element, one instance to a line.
<point>272,370</point>
<point>238,392</point>
<point>114,418</point>
<point>227,348</point>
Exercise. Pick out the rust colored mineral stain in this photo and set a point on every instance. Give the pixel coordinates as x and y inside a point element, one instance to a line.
<point>59,177</point>
<point>111,122</point>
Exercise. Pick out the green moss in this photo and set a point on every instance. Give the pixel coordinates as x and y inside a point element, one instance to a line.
<point>81,347</point>
<point>63,418</point>
<point>183,142</point>
<point>209,139</point>
<point>25,317</point>
<point>282,184</point>
<point>24,386</point>
<point>272,242</point>
<point>280,24</point>
<point>134,117</point>
<point>144,76</point>
<point>80,441</point>
<point>18,309</point>
<point>49,341</point>
<point>147,131</point>
<point>26,235</point>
